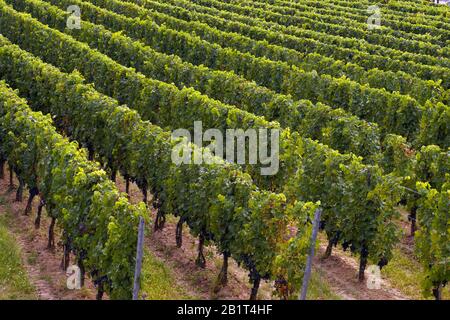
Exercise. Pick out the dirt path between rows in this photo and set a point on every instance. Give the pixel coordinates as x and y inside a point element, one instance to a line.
<point>198,282</point>
<point>43,265</point>
<point>341,272</point>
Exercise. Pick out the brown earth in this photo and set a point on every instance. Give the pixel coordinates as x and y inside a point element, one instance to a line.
<point>43,265</point>
<point>341,272</point>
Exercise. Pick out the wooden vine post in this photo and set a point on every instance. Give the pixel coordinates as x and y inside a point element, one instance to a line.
<point>139,256</point>
<point>307,275</point>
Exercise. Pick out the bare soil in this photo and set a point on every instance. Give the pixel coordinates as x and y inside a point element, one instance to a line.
<point>199,282</point>
<point>43,265</point>
<point>341,273</point>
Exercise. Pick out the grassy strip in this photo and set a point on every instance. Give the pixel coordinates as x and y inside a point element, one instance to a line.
<point>14,282</point>
<point>159,281</point>
<point>405,273</point>
<point>319,289</point>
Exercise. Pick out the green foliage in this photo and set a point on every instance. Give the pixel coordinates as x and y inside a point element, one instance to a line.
<point>333,24</point>
<point>294,50</point>
<point>398,156</point>
<point>394,113</point>
<point>140,151</point>
<point>432,165</point>
<point>226,204</point>
<point>99,223</point>
<point>302,160</point>
<point>334,127</point>
<point>420,26</point>
<point>433,237</point>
